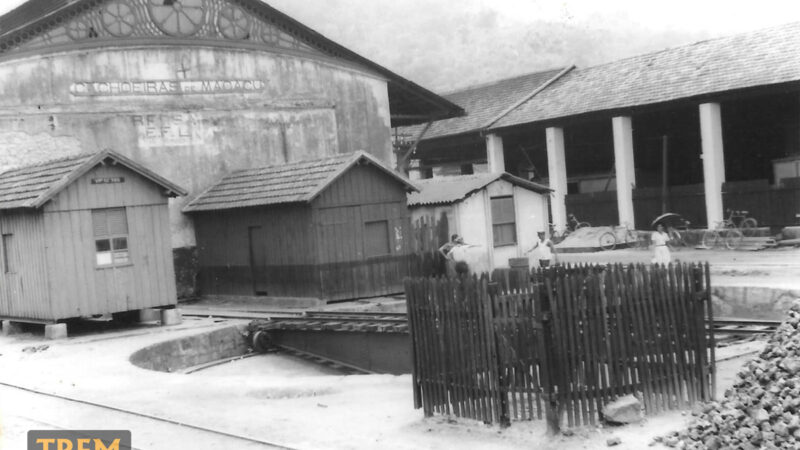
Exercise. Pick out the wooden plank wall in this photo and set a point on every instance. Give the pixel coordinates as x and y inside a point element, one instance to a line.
<point>565,344</point>
<point>77,287</point>
<point>24,286</point>
<point>224,251</point>
<point>362,194</point>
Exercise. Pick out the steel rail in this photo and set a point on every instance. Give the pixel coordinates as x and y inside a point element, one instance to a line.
<point>148,416</point>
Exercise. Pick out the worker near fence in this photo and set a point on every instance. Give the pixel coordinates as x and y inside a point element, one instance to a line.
<point>445,250</point>
<point>545,249</point>
<point>659,240</point>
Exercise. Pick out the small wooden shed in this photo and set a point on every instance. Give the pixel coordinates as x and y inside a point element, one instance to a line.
<point>497,211</point>
<point>333,229</point>
<point>82,236</point>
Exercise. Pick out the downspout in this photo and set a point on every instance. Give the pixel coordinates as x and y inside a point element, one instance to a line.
<point>526,98</point>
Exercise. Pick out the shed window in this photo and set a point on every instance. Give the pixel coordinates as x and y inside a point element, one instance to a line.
<point>110,237</point>
<point>504,226</point>
<point>376,238</point>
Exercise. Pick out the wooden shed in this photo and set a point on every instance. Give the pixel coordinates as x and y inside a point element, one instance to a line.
<point>83,236</point>
<point>498,212</point>
<point>333,229</point>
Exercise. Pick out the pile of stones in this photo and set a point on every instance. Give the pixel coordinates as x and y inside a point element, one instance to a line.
<point>762,410</point>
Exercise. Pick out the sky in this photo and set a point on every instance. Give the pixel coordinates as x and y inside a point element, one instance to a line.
<point>716,16</point>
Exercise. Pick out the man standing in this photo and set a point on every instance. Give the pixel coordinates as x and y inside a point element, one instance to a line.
<point>444,250</point>
<point>546,249</point>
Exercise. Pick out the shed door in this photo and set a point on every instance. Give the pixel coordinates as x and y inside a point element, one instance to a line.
<point>10,265</point>
<point>258,259</point>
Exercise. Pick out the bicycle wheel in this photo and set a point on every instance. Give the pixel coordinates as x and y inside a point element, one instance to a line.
<point>749,226</point>
<point>710,238</point>
<point>608,241</point>
<point>733,239</point>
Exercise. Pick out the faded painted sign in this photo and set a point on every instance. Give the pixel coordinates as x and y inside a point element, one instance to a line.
<point>108,180</point>
<point>165,87</point>
<point>168,129</point>
<point>398,239</point>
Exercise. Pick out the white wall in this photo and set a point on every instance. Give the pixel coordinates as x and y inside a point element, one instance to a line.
<point>471,218</point>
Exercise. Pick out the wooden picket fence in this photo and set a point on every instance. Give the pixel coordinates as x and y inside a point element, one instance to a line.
<point>428,235</point>
<point>562,346</point>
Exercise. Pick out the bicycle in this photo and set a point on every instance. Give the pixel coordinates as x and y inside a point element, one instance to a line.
<point>633,239</point>
<point>676,233</point>
<point>747,225</point>
<point>572,224</point>
<point>722,234</point>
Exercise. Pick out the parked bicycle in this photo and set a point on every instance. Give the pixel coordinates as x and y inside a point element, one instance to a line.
<point>631,238</point>
<point>739,220</point>
<point>731,238</point>
<point>572,224</point>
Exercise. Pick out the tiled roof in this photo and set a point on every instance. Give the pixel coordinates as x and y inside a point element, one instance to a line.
<point>446,190</point>
<point>31,186</point>
<point>286,183</point>
<point>760,58</point>
<point>29,12</point>
<point>484,103</point>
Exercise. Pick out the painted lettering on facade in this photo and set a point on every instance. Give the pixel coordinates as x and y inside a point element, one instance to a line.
<point>164,87</point>
<point>108,180</point>
<point>168,129</point>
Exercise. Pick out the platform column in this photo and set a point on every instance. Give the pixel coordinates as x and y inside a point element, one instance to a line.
<point>624,167</point>
<point>713,157</point>
<point>494,153</point>
<point>557,176</point>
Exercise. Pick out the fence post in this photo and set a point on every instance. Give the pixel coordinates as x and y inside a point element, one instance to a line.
<point>546,350</point>
<point>502,380</point>
<point>712,344</point>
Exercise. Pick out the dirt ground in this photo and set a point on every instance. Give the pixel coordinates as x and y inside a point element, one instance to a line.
<point>290,402</point>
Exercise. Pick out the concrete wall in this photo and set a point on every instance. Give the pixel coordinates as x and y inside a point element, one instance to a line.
<point>287,106</point>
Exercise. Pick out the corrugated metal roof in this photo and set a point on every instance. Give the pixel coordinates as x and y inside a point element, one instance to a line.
<point>286,183</point>
<point>761,58</point>
<point>33,185</point>
<point>484,103</point>
<point>452,189</point>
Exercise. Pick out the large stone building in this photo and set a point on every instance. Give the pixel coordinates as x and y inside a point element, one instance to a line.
<point>191,88</point>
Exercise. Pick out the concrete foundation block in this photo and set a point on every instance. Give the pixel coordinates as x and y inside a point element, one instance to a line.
<point>11,328</point>
<point>55,331</point>
<point>149,315</point>
<point>170,316</point>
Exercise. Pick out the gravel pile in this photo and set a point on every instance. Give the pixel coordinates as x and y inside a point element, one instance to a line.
<point>762,410</point>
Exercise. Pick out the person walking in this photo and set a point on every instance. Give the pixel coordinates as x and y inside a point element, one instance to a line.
<point>659,239</point>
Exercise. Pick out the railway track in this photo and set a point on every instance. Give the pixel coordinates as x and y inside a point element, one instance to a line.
<point>54,411</point>
<point>727,326</point>
<point>398,322</point>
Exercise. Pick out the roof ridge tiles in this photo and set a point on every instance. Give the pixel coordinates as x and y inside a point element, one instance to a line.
<point>485,84</point>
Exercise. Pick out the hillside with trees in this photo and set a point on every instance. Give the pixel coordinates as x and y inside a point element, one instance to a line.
<point>444,49</point>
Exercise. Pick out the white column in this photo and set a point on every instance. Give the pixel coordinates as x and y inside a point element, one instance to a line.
<point>623,160</point>
<point>713,160</point>
<point>494,153</point>
<point>557,175</point>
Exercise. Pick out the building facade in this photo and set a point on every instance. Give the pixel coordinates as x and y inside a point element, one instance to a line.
<point>197,88</point>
